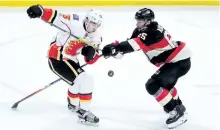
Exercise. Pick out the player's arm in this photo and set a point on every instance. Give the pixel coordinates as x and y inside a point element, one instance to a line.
<point>136,43</point>
<point>134,34</point>
<point>117,49</point>
<point>51,15</point>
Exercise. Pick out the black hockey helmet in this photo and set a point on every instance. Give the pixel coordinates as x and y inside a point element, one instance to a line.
<point>144,14</point>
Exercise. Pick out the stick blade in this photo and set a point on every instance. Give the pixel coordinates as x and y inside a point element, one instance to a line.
<point>15,106</point>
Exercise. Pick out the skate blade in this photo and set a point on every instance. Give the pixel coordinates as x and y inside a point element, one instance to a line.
<point>181,121</point>
<point>82,121</point>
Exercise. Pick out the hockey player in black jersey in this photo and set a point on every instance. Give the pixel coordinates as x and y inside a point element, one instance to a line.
<point>172,58</point>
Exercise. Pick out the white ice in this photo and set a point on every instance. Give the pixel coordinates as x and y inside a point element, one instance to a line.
<point>121,102</point>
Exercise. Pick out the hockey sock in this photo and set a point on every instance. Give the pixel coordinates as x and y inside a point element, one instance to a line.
<point>73,93</point>
<point>165,99</point>
<point>85,90</point>
<point>85,100</point>
<point>175,95</point>
<point>73,98</point>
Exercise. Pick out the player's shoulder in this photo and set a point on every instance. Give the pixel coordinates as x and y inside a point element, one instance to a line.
<point>69,16</point>
<point>76,17</point>
<point>96,36</point>
<point>136,30</point>
<point>135,33</point>
<point>155,27</point>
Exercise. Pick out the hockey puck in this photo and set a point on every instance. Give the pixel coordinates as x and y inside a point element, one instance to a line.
<point>110,73</point>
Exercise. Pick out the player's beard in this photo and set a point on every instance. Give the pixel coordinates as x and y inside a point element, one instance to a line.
<point>142,24</point>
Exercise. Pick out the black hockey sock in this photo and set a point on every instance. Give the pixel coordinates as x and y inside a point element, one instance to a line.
<point>170,105</point>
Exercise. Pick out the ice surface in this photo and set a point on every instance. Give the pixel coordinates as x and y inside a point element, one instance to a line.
<point>121,102</point>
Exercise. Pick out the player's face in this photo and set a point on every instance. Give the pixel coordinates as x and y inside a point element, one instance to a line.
<point>92,26</point>
<point>140,23</point>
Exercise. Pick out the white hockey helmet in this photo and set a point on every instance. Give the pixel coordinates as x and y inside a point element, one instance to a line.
<point>93,20</point>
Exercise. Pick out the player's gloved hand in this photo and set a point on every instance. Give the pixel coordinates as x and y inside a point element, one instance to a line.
<point>90,54</point>
<point>110,50</point>
<point>35,11</point>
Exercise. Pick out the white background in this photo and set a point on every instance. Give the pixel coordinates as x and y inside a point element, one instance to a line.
<point>121,102</point>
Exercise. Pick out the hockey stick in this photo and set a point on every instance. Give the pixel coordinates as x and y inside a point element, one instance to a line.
<point>15,105</point>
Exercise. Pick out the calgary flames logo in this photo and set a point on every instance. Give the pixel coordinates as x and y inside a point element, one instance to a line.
<point>73,46</point>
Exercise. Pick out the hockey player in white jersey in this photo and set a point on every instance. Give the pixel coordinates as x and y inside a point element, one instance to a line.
<point>63,52</point>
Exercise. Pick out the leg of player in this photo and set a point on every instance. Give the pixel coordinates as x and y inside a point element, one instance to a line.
<point>156,86</point>
<point>164,98</point>
<point>179,69</point>
<point>173,91</point>
<point>68,70</point>
<point>80,90</point>
<point>176,97</point>
<point>85,85</point>
<point>73,98</point>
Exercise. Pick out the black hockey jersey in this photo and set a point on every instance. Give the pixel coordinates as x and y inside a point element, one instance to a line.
<point>157,45</point>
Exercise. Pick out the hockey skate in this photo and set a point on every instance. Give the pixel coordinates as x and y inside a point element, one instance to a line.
<point>182,107</point>
<point>176,117</point>
<point>87,118</point>
<point>71,107</point>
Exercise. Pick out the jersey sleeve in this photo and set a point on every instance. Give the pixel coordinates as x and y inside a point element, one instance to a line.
<point>134,33</point>
<point>63,21</point>
<point>49,15</point>
<point>145,39</point>
<point>59,19</point>
<point>134,40</point>
<point>129,45</point>
<point>124,47</point>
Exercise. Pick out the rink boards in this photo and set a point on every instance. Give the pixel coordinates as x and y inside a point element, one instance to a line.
<point>20,3</point>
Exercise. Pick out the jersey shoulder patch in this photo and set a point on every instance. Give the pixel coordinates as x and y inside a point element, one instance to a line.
<point>75,17</point>
<point>65,16</point>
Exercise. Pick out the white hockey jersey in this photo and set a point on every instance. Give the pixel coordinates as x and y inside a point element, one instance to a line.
<point>65,46</point>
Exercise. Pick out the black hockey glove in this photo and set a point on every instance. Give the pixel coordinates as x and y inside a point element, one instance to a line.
<point>89,52</point>
<point>109,50</point>
<point>35,11</point>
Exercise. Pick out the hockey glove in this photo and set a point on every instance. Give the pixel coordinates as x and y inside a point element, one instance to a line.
<point>110,50</point>
<point>35,11</point>
<point>90,54</point>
